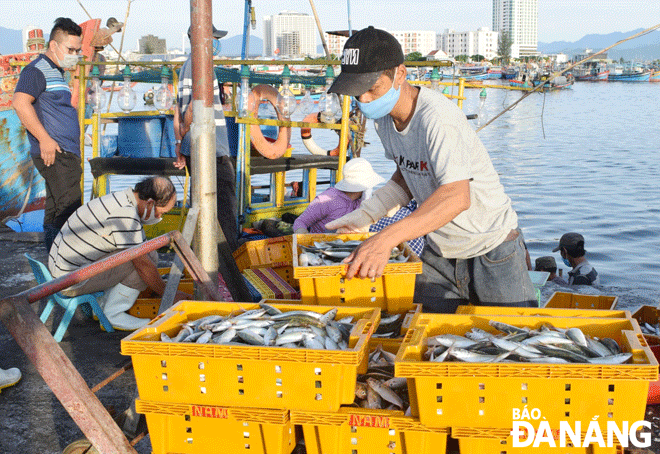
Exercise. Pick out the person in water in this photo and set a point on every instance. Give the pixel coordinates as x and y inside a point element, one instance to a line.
<point>571,248</point>
<point>547,263</point>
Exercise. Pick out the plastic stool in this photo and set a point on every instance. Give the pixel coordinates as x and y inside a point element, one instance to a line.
<point>42,275</point>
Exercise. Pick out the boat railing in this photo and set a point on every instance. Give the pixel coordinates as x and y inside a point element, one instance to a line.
<point>247,163</point>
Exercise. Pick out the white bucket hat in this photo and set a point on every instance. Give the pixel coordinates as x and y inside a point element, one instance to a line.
<point>358,176</point>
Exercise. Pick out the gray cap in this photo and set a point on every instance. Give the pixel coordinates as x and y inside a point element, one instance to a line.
<point>545,263</point>
<point>217,34</point>
<point>569,241</point>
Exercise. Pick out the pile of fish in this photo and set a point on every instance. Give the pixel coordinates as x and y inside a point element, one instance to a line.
<point>328,253</point>
<point>545,345</point>
<point>379,388</point>
<point>270,327</point>
<point>648,328</point>
<point>389,326</point>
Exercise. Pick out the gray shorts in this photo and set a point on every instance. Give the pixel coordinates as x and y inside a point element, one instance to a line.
<point>497,278</point>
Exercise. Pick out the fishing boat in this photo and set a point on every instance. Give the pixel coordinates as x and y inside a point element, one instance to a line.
<point>591,72</point>
<point>510,72</point>
<point>655,76</point>
<point>533,79</point>
<point>632,73</point>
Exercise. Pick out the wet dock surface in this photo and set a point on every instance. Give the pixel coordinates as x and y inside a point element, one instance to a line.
<point>33,420</point>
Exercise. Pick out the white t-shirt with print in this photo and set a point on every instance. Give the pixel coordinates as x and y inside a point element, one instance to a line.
<point>439,147</point>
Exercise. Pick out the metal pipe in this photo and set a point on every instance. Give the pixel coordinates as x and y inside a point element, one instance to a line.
<point>54,286</point>
<point>203,136</point>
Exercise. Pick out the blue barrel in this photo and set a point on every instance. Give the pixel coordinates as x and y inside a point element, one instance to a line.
<point>146,137</point>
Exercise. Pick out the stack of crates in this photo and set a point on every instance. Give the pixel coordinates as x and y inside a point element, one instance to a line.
<point>272,253</point>
<point>198,395</point>
<point>477,400</point>
<point>365,431</point>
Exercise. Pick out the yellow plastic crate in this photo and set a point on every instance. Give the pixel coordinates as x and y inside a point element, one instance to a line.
<point>202,429</point>
<point>246,376</point>
<point>327,285</point>
<point>145,308</point>
<point>541,312</point>
<point>499,441</point>
<point>651,315</point>
<point>272,253</point>
<point>185,285</point>
<point>567,300</point>
<point>485,394</point>
<point>353,429</point>
<point>359,430</point>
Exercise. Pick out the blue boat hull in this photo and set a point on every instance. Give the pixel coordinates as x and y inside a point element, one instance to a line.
<point>629,77</point>
<point>22,189</point>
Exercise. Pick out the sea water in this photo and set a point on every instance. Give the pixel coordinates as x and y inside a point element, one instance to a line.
<point>585,159</point>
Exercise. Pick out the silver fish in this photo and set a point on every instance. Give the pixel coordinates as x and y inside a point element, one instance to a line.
<point>612,359</point>
<point>385,392</point>
<point>505,328</point>
<point>205,337</point>
<point>251,337</point>
<point>577,336</point>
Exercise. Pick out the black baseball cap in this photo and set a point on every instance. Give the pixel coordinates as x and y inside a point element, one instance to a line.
<point>366,55</point>
<point>570,241</point>
<point>217,34</point>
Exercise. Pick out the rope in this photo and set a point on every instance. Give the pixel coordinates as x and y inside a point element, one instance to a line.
<point>541,85</point>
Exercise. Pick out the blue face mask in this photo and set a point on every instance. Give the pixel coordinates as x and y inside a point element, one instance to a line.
<point>566,262</point>
<point>382,106</point>
<point>216,47</point>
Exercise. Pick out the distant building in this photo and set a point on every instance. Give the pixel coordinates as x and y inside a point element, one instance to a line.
<point>519,19</point>
<point>588,53</point>
<point>289,34</point>
<point>151,44</point>
<point>422,41</point>
<point>480,42</point>
<point>33,39</point>
<point>335,43</point>
<point>438,55</point>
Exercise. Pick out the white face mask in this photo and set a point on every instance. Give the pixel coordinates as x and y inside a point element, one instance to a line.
<point>68,60</point>
<point>150,217</point>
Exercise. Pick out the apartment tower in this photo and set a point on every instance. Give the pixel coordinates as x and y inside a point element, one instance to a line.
<point>519,19</point>
<point>289,34</point>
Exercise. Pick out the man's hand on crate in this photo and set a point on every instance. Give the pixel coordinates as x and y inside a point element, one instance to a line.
<point>369,259</point>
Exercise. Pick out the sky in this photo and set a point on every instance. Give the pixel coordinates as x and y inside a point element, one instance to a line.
<point>559,20</point>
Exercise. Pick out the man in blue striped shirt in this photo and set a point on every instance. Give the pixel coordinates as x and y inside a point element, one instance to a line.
<point>42,101</point>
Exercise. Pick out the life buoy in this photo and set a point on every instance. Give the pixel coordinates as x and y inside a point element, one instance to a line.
<point>266,148</point>
<point>306,136</point>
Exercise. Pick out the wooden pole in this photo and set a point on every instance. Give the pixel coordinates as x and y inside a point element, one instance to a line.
<point>318,25</point>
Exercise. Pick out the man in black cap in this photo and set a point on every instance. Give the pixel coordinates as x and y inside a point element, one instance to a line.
<point>225,173</point>
<point>474,250</point>
<point>571,247</point>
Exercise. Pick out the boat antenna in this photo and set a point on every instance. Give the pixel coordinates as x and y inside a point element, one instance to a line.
<point>121,47</point>
<point>318,25</point>
<point>540,86</point>
<point>348,12</point>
